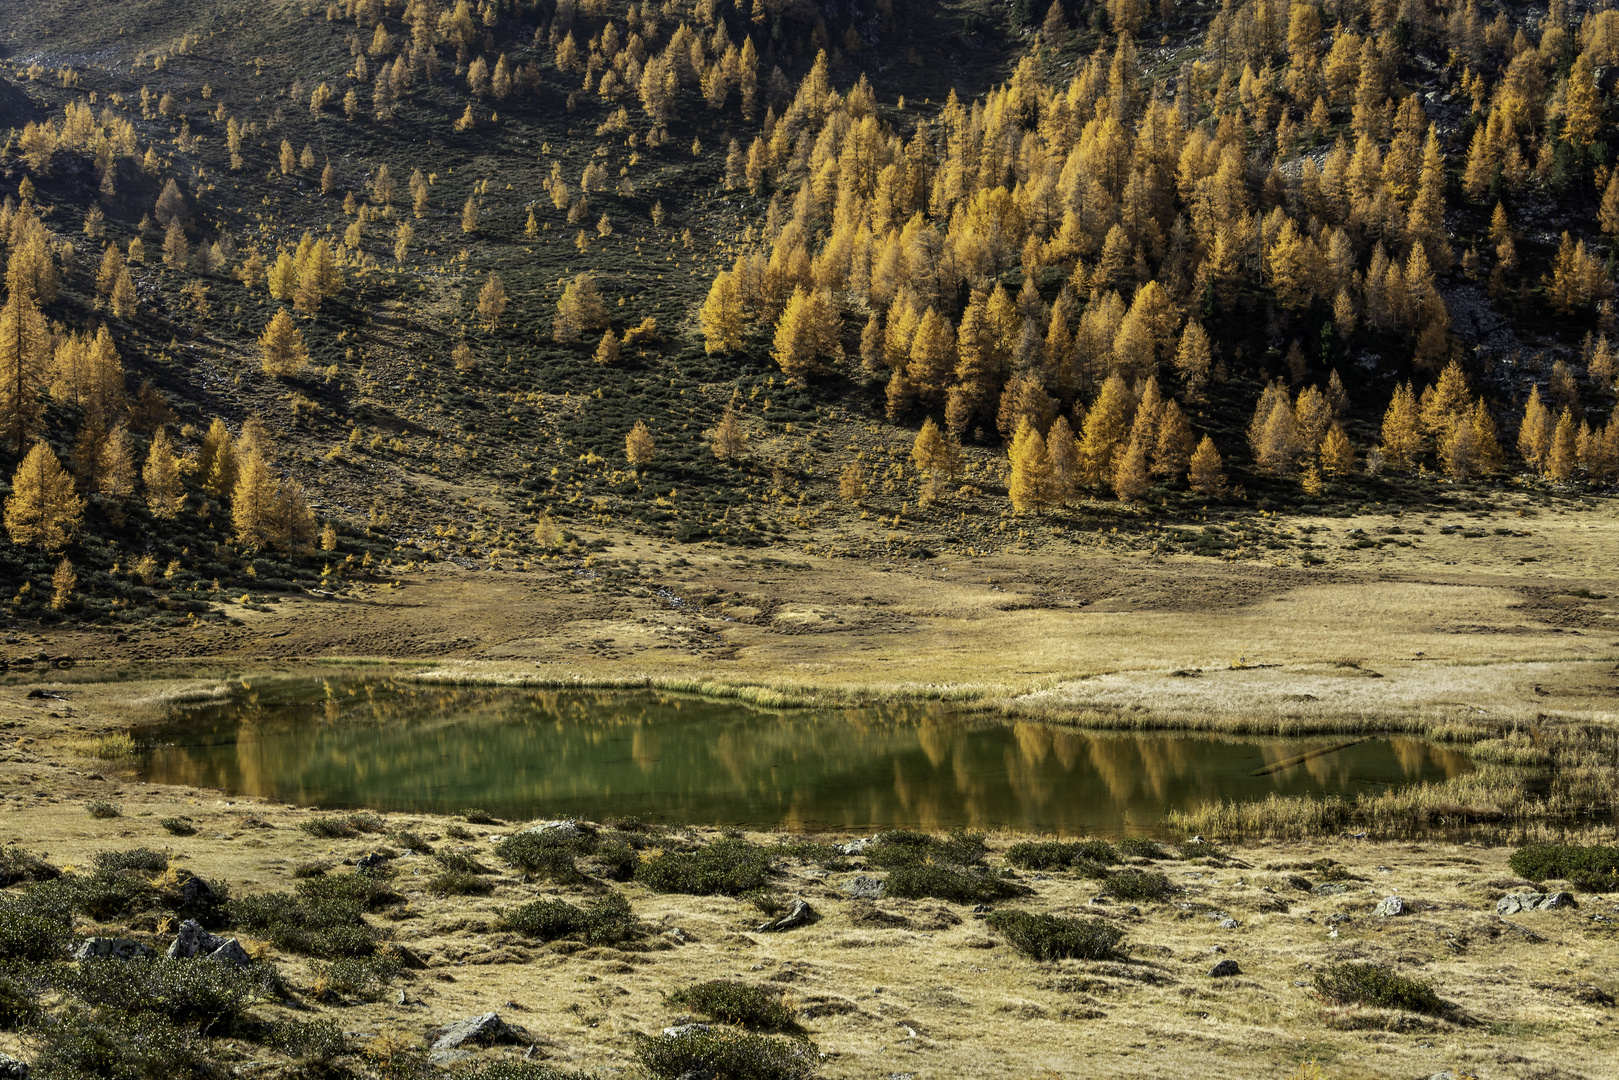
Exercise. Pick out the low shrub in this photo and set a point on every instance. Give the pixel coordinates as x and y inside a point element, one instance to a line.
<point>734,1055</point>
<point>140,859</point>
<point>1139,847</point>
<point>20,987</point>
<point>311,1042</point>
<point>961,885</point>
<point>1357,983</point>
<point>460,862</point>
<point>101,808</point>
<point>362,978</point>
<point>178,826</point>
<point>1058,855</point>
<point>459,883</point>
<point>607,920</point>
<point>107,1045</point>
<point>198,992</point>
<point>1054,937</point>
<point>906,847</point>
<point>101,896</point>
<point>457,832</point>
<point>18,865</point>
<point>1139,885</point>
<point>325,828</point>
<point>751,1007</point>
<point>545,855</point>
<point>520,1070</point>
<point>412,842</point>
<point>322,917</point>
<point>475,816</point>
<point>616,860</point>
<point>726,867</point>
<point>1594,868</point>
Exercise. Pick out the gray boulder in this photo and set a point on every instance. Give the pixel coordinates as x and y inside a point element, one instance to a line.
<point>12,1069</point>
<point>681,1030</point>
<point>110,948</point>
<point>230,952</point>
<point>1513,903</point>
<point>856,847</point>
<point>800,915</point>
<point>193,940</point>
<point>1330,888</point>
<point>560,830</point>
<point>1389,906</point>
<point>483,1029</point>
<point>866,888</point>
<point>1224,970</point>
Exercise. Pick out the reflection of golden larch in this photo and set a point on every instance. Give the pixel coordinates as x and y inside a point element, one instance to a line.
<point>1068,746</point>
<point>936,741</point>
<point>1411,754</point>
<point>1034,740</point>
<point>644,749</point>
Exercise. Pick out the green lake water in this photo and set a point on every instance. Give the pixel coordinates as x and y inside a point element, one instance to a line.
<point>405,746</point>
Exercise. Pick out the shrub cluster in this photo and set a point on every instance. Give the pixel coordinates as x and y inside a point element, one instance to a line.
<point>606,920</point>
<point>1139,847</point>
<point>1356,983</point>
<point>1139,885</point>
<point>1060,855</point>
<point>18,865</point>
<point>737,1003</point>
<point>735,1055</point>
<point>1594,868</point>
<point>725,867</point>
<point>1054,937</point>
<point>323,916</point>
<point>950,869</point>
<point>198,992</point>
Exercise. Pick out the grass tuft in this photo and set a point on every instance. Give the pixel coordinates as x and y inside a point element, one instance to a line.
<point>1055,937</point>
<point>752,1007</point>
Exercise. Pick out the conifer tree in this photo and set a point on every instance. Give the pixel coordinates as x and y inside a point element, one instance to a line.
<point>282,345</point>
<point>931,452</point>
<point>1561,455</point>
<point>852,483</point>
<point>176,251</point>
<point>607,351</point>
<point>165,495</point>
<point>722,318</point>
<point>253,501</point>
<point>292,526</point>
<point>217,463</point>
<point>123,298</point>
<point>469,212</point>
<point>1487,450</point>
<point>114,471</point>
<point>63,582</point>
<point>1062,449</point>
<point>638,445</point>
<point>1130,473</point>
<point>806,333</point>
<point>42,511</point>
<point>1337,452</point>
<point>580,309</point>
<point>1172,452</point>
<point>1193,359</point>
<point>1447,401</point>
<point>1107,425</point>
<point>1206,473</point>
<point>491,301</point>
<point>729,441</point>
<point>1535,433</point>
<point>1402,428</point>
<point>1030,483</point>
<point>25,357</point>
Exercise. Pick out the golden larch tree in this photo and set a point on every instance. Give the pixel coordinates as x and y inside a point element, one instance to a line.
<point>25,364</point>
<point>282,346</point>
<point>638,445</point>
<point>42,511</point>
<point>165,494</point>
<point>491,301</point>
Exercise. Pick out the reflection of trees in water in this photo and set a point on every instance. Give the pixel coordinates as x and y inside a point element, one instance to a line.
<point>381,742</point>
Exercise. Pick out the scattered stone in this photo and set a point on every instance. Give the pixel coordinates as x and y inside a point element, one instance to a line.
<point>371,862</point>
<point>866,888</point>
<point>1228,924</point>
<point>113,948</point>
<point>561,830</point>
<point>12,1069</point>
<point>1224,970</point>
<point>1330,888</point>
<point>231,952</point>
<point>680,1030</point>
<point>483,1029</point>
<point>401,999</point>
<point>193,940</point>
<point>1512,903</point>
<point>677,935</point>
<point>1389,907</point>
<point>856,847</point>
<point>800,915</point>
<point>1587,994</point>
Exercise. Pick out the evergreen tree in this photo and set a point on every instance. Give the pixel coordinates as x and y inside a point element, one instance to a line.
<point>1206,473</point>
<point>1402,428</point>
<point>1337,452</point>
<point>24,367</point>
<point>852,483</point>
<point>1193,360</point>
<point>580,309</point>
<point>42,511</point>
<point>165,495</point>
<point>1107,425</point>
<point>284,354</point>
<point>1062,448</point>
<point>722,318</point>
<point>638,445</point>
<point>63,582</point>
<point>1172,452</point>
<point>1030,485</point>
<point>1130,473</point>
<point>1535,433</point>
<point>932,452</point>
<point>253,509</point>
<point>491,301</point>
<point>1562,455</point>
<point>607,352</point>
<point>730,442</point>
<point>806,334</point>
<point>217,463</point>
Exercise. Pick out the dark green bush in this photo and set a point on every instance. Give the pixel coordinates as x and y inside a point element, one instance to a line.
<point>17,865</point>
<point>1375,984</point>
<point>107,1045</point>
<point>475,816</point>
<point>1594,868</point>
<point>20,986</point>
<point>734,1055</point>
<point>142,859</point>
<point>617,860</point>
<point>961,885</point>
<point>178,826</point>
<point>520,1070</point>
<point>198,992</point>
<point>363,978</point>
<point>725,867</point>
<point>1139,885</point>
<point>459,883</point>
<point>412,842</point>
<point>456,832</point>
<point>905,847</point>
<point>1139,847</point>
<point>323,917</point>
<point>313,1041</point>
<point>737,1003</point>
<point>101,896</point>
<point>1054,937</point>
<point>460,862</point>
<point>545,854</point>
<point>1057,855</point>
<point>604,921</point>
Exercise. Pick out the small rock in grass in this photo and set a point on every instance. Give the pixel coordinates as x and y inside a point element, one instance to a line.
<point>12,1069</point>
<point>1389,907</point>
<point>193,940</point>
<point>230,952</point>
<point>483,1029</point>
<point>866,888</point>
<point>114,948</point>
<point>1513,903</point>
<point>800,915</point>
<point>681,1030</point>
<point>1224,970</point>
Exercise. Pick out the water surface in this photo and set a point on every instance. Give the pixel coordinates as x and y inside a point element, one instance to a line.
<point>404,746</point>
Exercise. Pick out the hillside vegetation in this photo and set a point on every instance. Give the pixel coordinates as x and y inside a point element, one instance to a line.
<point>303,294</point>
